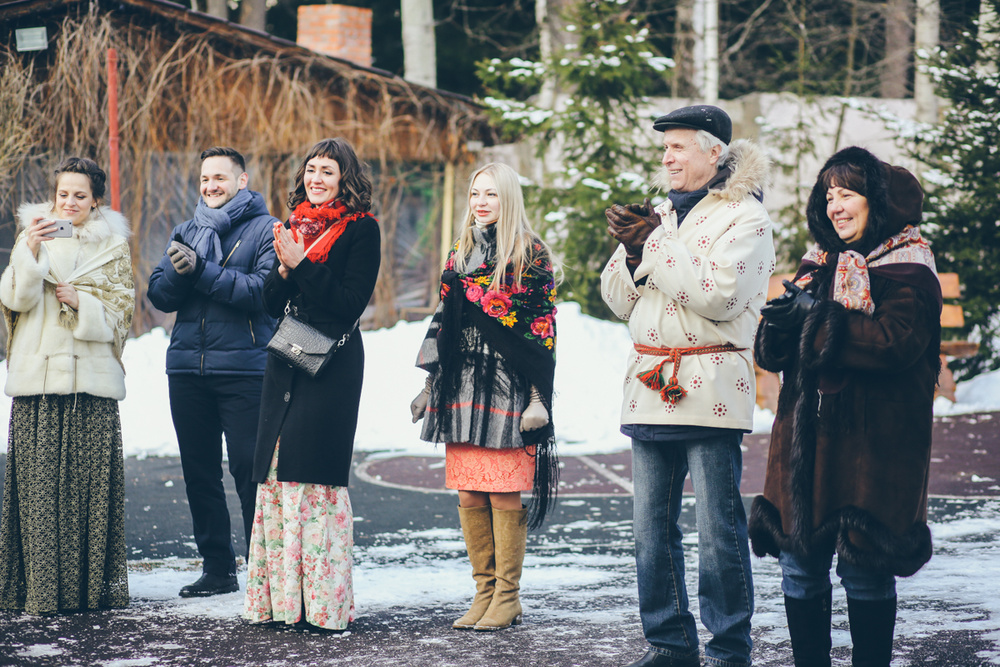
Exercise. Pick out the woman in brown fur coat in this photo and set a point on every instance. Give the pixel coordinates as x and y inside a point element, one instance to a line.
<point>856,336</point>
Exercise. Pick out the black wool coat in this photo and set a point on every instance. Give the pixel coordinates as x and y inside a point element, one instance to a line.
<point>316,418</point>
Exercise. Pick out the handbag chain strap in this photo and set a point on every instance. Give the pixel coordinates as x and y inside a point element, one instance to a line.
<point>289,308</point>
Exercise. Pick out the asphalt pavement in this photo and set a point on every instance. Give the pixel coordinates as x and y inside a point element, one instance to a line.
<point>578,589</point>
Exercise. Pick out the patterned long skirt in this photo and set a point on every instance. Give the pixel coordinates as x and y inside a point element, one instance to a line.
<point>62,538</point>
<point>301,554</point>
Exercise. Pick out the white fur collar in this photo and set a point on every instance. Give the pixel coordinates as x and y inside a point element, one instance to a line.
<point>102,223</point>
<point>751,172</point>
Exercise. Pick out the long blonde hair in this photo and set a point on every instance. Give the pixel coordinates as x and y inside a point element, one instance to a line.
<point>515,238</point>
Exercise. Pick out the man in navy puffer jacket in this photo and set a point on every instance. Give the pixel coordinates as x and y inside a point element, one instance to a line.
<point>211,274</point>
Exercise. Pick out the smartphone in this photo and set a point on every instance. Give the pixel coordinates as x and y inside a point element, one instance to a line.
<point>63,229</point>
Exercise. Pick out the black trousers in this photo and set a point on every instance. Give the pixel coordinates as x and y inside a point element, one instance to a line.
<point>204,407</point>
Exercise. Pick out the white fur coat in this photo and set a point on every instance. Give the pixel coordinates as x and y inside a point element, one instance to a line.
<point>51,348</point>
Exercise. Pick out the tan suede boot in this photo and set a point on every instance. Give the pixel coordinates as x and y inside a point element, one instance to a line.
<point>510,533</point>
<point>477,527</point>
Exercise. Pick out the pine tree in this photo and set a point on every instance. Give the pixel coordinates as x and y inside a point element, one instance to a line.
<point>605,142</point>
<point>963,183</point>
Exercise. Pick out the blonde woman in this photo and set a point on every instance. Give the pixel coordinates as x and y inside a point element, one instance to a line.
<point>490,355</point>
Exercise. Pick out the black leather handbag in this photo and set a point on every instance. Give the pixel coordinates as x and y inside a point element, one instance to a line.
<point>303,346</point>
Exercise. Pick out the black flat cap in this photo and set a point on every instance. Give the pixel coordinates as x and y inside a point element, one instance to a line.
<point>713,120</point>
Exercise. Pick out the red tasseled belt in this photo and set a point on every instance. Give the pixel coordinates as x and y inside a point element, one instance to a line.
<point>671,391</point>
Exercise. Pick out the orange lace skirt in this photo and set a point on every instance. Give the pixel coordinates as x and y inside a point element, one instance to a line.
<point>472,468</point>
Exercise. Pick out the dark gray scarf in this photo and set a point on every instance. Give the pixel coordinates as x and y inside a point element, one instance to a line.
<point>211,223</point>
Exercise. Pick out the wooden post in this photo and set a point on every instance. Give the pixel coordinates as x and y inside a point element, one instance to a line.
<point>116,202</point>
<point>448,212</point>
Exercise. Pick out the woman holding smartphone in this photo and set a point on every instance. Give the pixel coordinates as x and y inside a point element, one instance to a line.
<point>67,302</point>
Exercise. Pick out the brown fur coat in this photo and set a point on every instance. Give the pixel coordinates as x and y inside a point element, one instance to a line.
<point>847,469</point>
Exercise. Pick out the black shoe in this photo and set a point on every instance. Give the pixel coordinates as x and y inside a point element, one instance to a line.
<point>654,659</point>
<point>210,584</point>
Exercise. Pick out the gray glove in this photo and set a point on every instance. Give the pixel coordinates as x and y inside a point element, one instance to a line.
<point>419,405</point>
<point>535,416</point>
<point>183,258</point>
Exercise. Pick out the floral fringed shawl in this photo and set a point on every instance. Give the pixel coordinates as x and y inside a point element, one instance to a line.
<point>905,257</point>
<point>518,322</point>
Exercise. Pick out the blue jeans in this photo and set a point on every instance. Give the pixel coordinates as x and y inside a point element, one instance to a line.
<point>804,578</point>
<point>725,584</point>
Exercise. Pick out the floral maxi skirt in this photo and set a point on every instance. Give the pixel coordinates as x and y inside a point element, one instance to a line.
<point>301,553</point>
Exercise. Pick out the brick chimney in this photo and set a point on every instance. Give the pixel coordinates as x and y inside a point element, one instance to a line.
<point>337,30</point>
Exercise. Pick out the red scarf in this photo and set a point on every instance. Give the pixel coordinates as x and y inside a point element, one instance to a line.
<point>312,222</point>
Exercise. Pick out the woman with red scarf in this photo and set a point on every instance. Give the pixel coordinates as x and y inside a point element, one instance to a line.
<point>328,259</point>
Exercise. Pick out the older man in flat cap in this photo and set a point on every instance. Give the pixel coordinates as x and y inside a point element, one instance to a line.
<point>690,277</point>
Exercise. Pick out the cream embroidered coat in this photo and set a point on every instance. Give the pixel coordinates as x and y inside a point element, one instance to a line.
<point>705,283</point>
<point>51,348</point>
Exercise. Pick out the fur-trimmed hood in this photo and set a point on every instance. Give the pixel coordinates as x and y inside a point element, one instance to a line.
<point>894,201</point>
<point>749,173</point>
<point>103,222</point>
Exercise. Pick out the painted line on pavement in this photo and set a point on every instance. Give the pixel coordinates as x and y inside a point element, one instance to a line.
<point>607,474</point>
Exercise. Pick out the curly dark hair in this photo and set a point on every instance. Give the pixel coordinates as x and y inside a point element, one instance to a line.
<point>355,183</point>
<point>87,167</point>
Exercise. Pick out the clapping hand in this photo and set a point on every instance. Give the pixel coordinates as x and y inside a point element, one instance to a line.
<point>631,225</point>
<point>289,247</point>
<point>183,257</point>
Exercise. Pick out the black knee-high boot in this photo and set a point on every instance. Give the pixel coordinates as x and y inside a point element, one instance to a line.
<point>872,625</point>
<point>809,628</point>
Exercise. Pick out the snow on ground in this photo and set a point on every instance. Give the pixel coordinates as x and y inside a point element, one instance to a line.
<point>589,372</point>
<point>573,577</point>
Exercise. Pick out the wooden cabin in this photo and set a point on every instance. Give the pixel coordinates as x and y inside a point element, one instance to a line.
<point>187,81</point>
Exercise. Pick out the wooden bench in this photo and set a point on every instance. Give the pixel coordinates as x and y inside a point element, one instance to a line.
<point>952,316</point>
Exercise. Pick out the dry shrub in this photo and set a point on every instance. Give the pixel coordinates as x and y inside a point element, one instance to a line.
<point>17,129</point>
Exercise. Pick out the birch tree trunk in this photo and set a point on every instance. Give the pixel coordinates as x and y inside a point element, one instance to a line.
<point>684,48</point>
<point>551,40</point>
<point>989,33</point>
<point>928,28</point>
<point>253,14</point>
<point>217,8</point>
<point>710,86</point>
<point>698,46</point>
<point>419,43</point>
<point>898,34</point>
